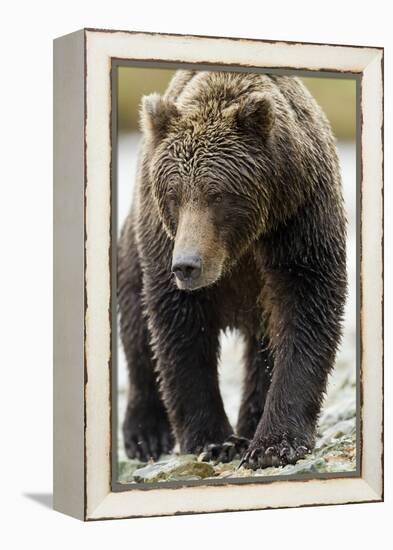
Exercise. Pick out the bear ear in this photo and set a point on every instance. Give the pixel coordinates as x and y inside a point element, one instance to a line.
<point>256,114</point>
<point>157,114</point>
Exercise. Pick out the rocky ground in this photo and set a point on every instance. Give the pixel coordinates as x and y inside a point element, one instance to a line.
<point>335,449</point>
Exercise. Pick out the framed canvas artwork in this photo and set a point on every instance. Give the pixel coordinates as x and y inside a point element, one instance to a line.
<point>218,267</point>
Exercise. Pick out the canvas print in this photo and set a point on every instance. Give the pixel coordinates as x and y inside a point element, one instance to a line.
<point>235,208</point>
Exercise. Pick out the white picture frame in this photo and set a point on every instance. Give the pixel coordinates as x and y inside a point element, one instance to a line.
<point>83,290</point>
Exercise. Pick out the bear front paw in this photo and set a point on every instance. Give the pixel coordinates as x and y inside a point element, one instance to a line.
<point>264,453</point>
<point>231,448</point>
<point>147,433</point>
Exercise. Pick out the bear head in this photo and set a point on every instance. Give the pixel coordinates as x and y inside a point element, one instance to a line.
<point>210,171</point>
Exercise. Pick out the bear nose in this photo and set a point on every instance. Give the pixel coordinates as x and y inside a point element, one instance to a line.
<point>187,267</point>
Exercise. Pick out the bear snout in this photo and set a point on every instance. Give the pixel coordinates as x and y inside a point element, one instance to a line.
<point>187,268</point>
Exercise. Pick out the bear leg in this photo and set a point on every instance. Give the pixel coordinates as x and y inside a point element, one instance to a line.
<point>305,330</point>
<point>146,429</point>
<point>185,332</point>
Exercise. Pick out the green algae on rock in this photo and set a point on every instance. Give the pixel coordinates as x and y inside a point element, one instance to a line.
<point>184,467</point>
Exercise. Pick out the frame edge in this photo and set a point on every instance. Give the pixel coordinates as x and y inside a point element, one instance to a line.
<point>68,288</point>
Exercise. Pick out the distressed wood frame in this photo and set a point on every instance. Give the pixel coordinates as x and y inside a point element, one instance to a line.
<point>82,272</point>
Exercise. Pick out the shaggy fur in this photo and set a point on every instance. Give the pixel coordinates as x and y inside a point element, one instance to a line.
<point>239,173</point>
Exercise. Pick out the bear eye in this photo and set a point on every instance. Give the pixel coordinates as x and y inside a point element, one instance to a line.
<point>172,196</point>
<point>215,198</point>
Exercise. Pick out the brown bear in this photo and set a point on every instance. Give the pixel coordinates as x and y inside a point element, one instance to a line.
<point>237,222</point>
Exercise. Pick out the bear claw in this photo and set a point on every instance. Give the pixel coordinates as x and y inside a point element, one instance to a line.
<point>144,447</point>
<point>146,438</point>
<point>276,455</point>
<point>231,448</point>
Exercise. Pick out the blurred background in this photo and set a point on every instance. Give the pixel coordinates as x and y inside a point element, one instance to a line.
<point>337,97</point>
